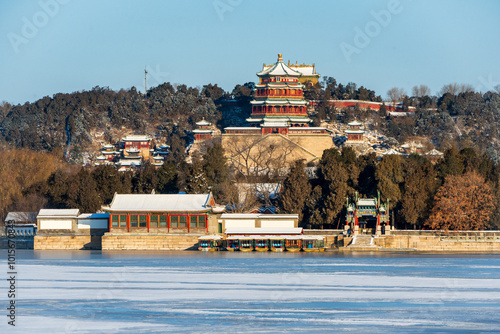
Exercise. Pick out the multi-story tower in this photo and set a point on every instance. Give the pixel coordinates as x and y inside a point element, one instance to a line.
<point>279,130</point>
<point>279,100</point>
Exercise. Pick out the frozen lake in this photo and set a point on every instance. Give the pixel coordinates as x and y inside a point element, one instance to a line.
<point>195,292</point>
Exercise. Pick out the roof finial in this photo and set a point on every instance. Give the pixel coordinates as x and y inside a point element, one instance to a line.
<point>279,57</point>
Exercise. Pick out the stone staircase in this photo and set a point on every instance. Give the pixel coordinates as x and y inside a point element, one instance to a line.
<point>362,242</point>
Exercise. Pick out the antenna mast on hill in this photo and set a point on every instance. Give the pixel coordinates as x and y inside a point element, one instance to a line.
<point>145,82</point>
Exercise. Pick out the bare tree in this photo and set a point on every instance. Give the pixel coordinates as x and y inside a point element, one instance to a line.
<point>466,88</point>
<point>396,94</point>
<point>451,88</point>
<point>456,88</point>
<point>421,91</point>
<point>257,160</point>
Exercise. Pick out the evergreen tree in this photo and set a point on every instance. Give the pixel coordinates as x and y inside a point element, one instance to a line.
<point>82,193</point>
<point>367,183</point>
<point>217,173</point>
<point>334,178</point>
<point>313,212</point>
<point>295,190</point>
<point>108,182</point>
<point>451,164</point>
<point>196,181</point>
<point>167,179</point>
<point>389,176</point>
<point>145,179</point>
<point>419,188</point>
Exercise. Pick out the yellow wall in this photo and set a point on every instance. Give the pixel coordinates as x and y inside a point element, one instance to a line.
<point>279,150</point>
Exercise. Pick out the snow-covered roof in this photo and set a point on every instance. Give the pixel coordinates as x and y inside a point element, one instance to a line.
<point>203,131</point>
<point>240,237</point>
<point>294,85</point>
<point>307,128</point>
<point>279,102</point>
<point>274,124</point>
<point>242,128</point>
<point>299,119</point>
<point>136,138</point>
<point>203,123</point>
<point>308,70</point>
<point>434,152</point>
<point>399,113</point>
<point>159,202</point>
<point>279,68</point>
<point>61,213</point>
<point>133,150</point>
<point>127,163</point>
<point>276,119</point>
<point>21,217</point>
<point>210,237</point>
<point>412,144</point>
<point>357,131</point>
<point>264,231</point>
<point>391,152</point>
<point>355,123</point>
<point>257,216</point>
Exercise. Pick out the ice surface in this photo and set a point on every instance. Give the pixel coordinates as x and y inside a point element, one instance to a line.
<point>199,293</point>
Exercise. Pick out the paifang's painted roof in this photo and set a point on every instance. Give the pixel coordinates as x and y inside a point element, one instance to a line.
<point>367,202</point>
<point>160,202</point>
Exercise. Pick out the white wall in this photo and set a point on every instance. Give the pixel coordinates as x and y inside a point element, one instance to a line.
<point>277,224</point>
<point>56,224</point>
<point>85,224</point>
<point>240,223</point>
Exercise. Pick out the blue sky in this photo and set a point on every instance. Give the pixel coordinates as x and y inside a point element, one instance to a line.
<point>52,46</point>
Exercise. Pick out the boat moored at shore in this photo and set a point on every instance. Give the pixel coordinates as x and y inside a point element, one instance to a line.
<point>210,243</point>
<point>313,243</point>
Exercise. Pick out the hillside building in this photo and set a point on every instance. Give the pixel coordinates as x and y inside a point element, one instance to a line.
<point>355,132</point>
<point>204,131</point>
<point>279,126</point>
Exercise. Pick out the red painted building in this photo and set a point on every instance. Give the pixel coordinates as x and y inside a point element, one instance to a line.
<point>279,100</point>
<point>204,131</point>
<point>355,131</point>
<point>160,213</point>
<point>138,142</point>
<point>341,104</point>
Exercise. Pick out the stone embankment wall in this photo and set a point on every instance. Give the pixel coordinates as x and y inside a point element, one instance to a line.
<point>463,242</point>
<point>149,242</point>
<point>68,242</point>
